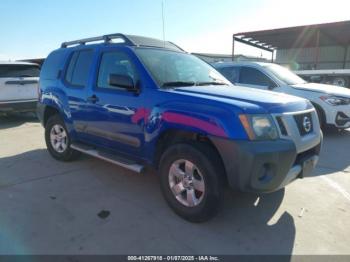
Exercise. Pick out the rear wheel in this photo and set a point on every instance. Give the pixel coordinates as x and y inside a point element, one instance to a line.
<point>321,116</point>
<point>191,181</point>
<point>58,140</point>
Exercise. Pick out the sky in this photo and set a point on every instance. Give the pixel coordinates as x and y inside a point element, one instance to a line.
<point>33,28</point>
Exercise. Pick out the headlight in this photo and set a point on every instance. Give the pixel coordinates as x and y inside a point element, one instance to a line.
<point>259,127</point>
<point>336,100</point>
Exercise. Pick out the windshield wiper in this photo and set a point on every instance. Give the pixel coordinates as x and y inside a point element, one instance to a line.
<point>26,76</point>
<point>210,83</point>
<point>191,83</point>
<point>178,84</point>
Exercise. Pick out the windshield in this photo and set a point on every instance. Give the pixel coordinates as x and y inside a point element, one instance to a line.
<point>15,70</point>
<point>171,69</point>
<point>284,74</point>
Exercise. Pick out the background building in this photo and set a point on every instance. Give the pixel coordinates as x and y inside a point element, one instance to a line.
<point>318,52</point>
<point>212,58</point>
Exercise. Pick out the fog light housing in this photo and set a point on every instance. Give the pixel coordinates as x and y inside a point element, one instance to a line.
<point>341,119</point>
<point>266,173</point>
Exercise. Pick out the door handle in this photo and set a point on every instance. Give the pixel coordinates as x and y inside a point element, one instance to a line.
<point>93,99</point>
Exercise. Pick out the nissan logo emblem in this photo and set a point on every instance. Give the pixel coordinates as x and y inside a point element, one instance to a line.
<point>307,124</point>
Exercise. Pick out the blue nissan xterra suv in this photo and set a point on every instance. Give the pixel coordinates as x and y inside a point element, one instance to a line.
<point>137,102</point>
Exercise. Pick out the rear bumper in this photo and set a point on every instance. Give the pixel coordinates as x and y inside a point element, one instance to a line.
<point>264,166</point>
<point>18,106</point>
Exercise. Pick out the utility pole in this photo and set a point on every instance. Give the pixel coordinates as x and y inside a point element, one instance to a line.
<point>163,21</point>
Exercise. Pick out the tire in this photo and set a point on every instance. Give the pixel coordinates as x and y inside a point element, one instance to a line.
<point>321,116</point>
<point>55,127</point>
<point>323,124</point>
<point>204,190</point>
<point>325,127</point>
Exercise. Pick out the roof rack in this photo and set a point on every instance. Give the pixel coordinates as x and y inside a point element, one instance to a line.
<point>105,38</point>
<point>130,40</point>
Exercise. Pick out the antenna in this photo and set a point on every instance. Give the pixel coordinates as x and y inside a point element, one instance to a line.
<point>163,22</point>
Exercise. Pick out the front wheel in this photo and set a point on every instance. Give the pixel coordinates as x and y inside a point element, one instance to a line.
<point>191,181</point>
<point>58,140</point>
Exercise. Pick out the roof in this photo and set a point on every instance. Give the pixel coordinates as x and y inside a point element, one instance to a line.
<point>241,63</point>
<point>212,55</point>
<point>328,34</point>
<point>15,63</point>
<point>129,40</point>
<point>38,61</point>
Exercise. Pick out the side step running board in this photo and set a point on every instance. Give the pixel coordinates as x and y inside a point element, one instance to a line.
<point>108,157</point>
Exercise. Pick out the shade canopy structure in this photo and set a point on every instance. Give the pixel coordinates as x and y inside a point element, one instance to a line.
<point>317,35</point>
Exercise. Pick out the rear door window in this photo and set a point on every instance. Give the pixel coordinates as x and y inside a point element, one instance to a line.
<point>252,76</point>
<point>53,65</point>
<point>19,71</point>
<point>230,72</point>
<point>78,70</point>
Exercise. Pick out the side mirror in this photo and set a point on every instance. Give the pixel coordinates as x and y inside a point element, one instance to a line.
<point>122,81</point>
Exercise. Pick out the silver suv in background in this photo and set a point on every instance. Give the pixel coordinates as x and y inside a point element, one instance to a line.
<point>18,86</point>
<point>332,103</point>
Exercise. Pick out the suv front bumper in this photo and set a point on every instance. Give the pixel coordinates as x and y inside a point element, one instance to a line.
<point>339,116</point>
<point>342,120</point>
<point>264,166</point>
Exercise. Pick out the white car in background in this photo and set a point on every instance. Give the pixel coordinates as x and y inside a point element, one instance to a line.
<point>18,86</point>
<point>331,102</point>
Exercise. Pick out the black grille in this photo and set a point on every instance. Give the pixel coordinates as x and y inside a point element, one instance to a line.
<point>304,123</point>
<point>307,154</point>
<point>282,126</point>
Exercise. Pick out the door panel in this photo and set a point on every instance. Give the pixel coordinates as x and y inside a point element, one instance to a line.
<point>114,107</point>
<point>75,82</point>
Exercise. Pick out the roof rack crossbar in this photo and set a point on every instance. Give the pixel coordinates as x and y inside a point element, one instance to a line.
<point>105,38</point>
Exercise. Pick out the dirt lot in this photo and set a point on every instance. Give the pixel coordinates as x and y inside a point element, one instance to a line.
<point>92,207</point>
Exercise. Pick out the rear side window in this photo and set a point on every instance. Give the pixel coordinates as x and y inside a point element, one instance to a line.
<point>231,73</point>
<point>19,71</point>
<point>53,65</point>
<point>79,68</point>
<point>252,76</point>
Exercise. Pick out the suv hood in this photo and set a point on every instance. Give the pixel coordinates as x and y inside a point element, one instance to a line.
<point>267,101</point>
<point>325,89</point>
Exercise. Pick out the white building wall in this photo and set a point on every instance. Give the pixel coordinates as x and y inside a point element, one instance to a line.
<point>330,57</point>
